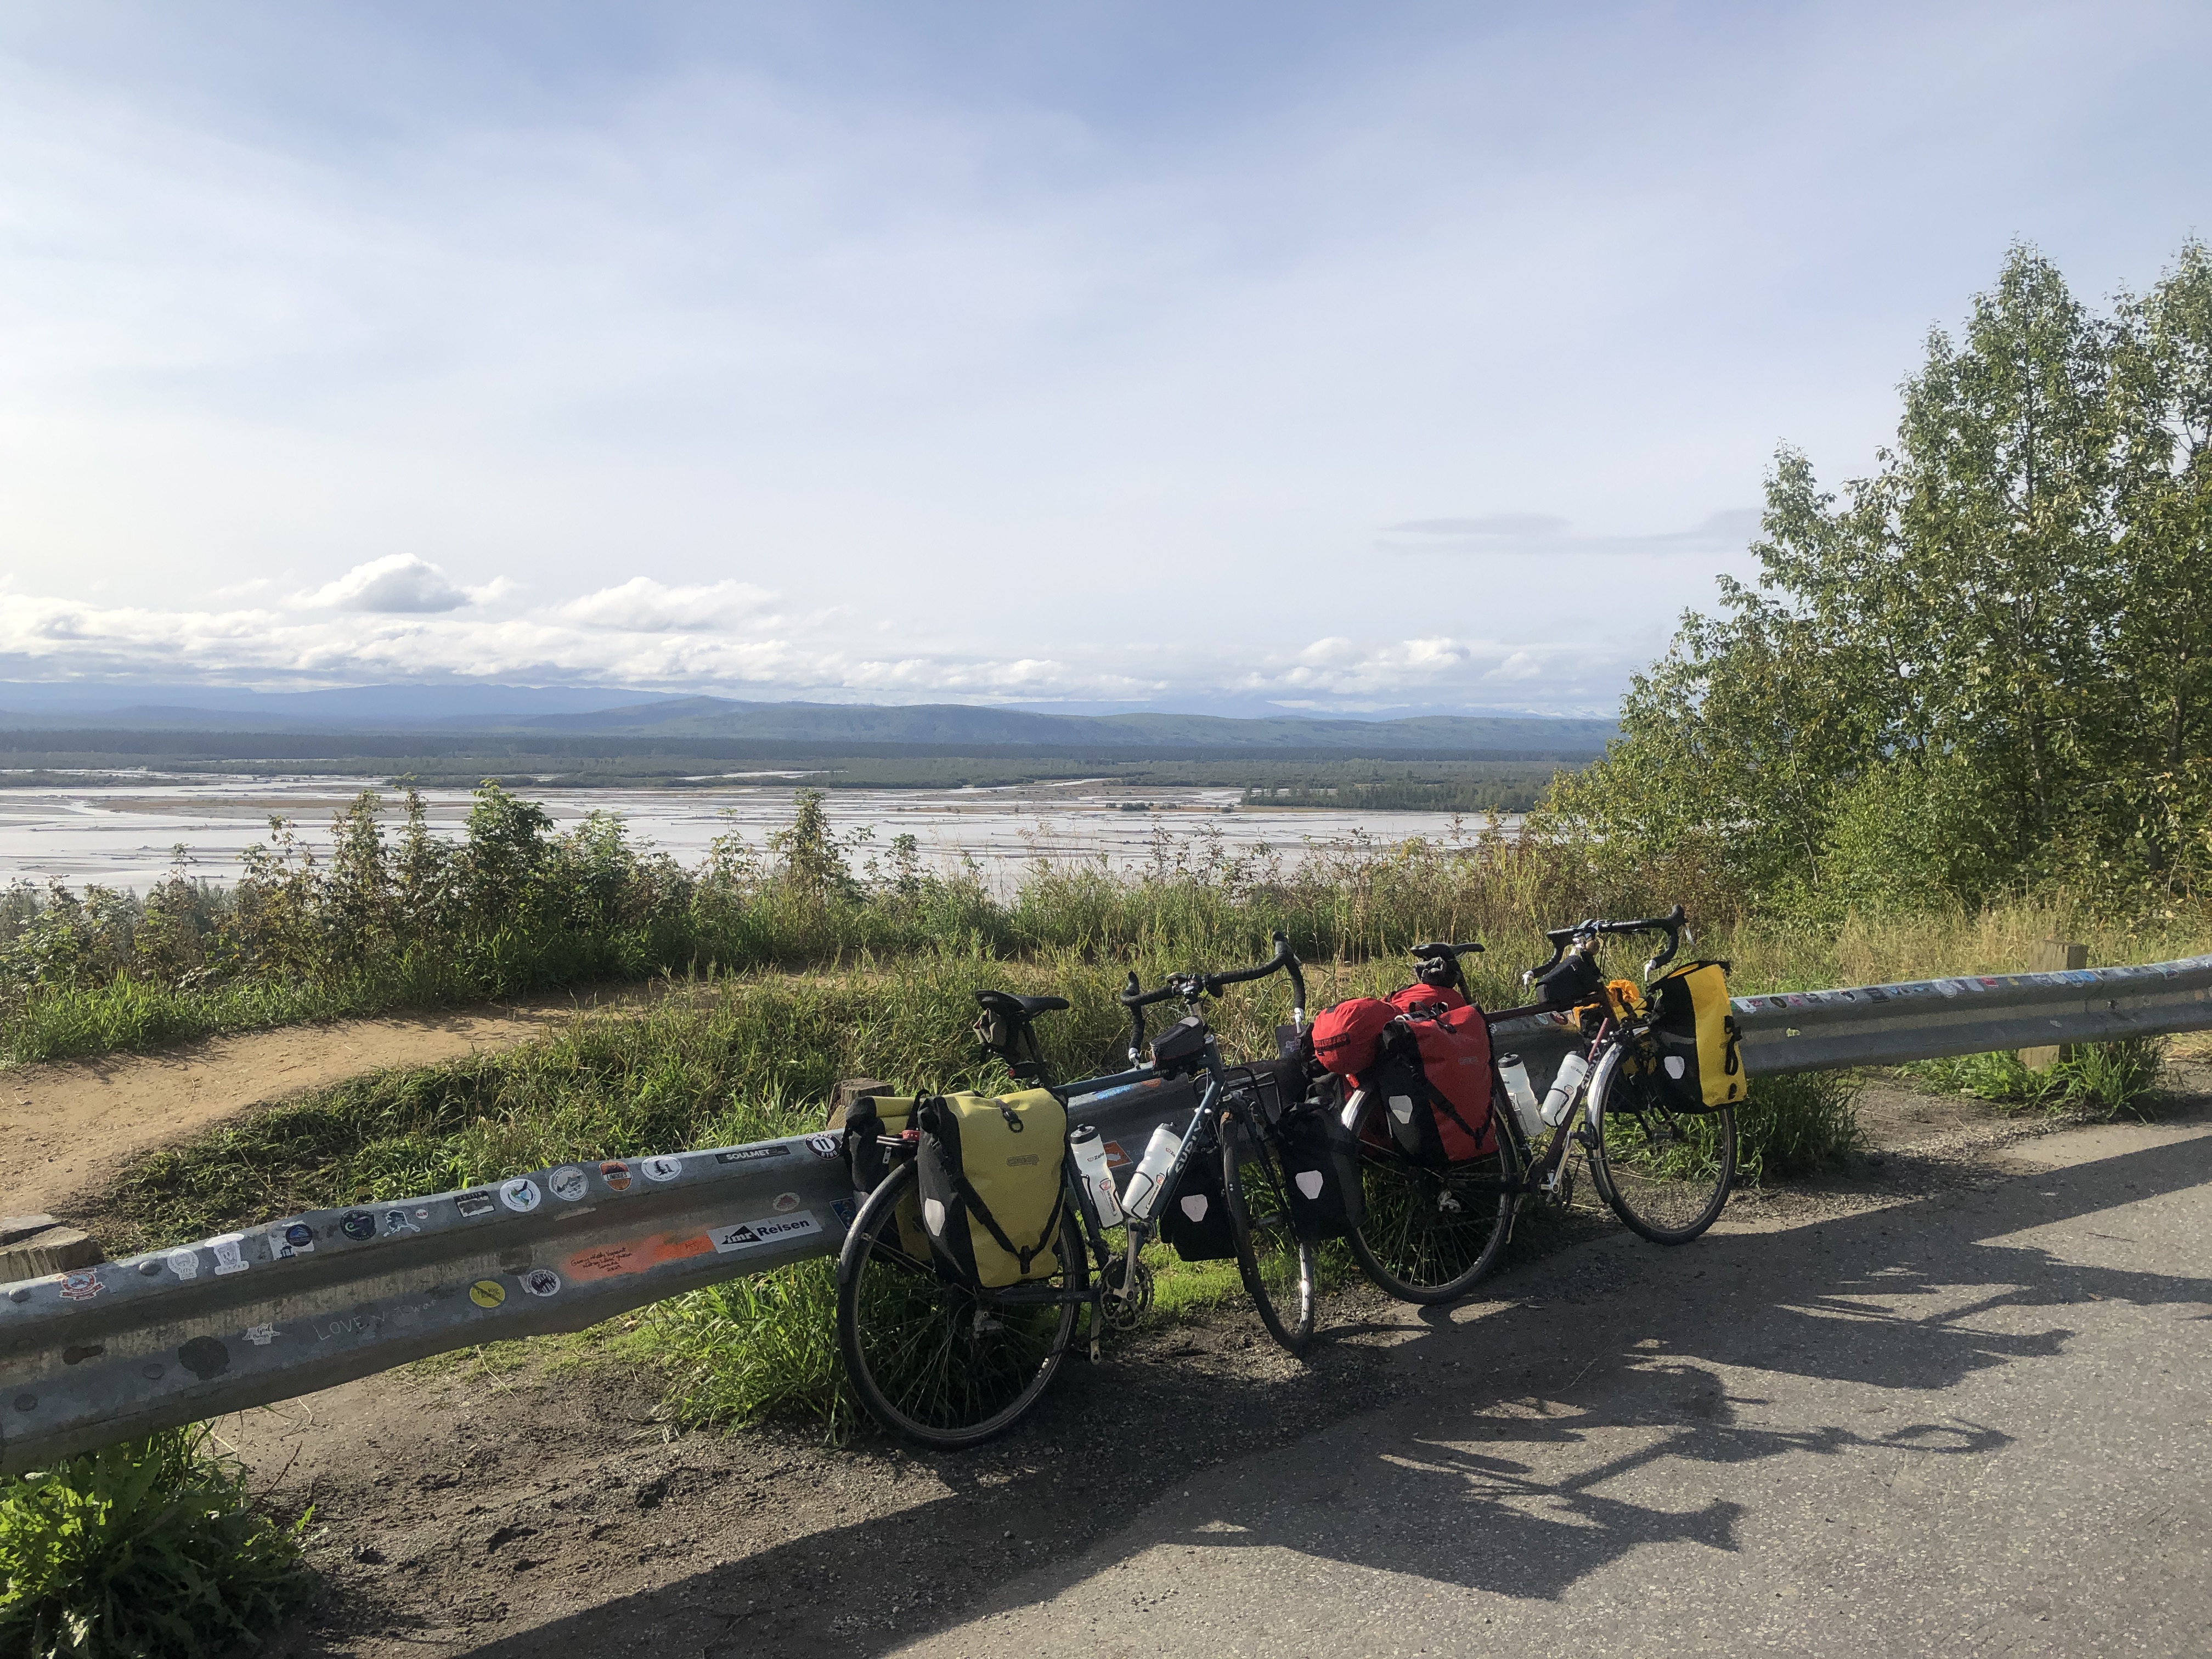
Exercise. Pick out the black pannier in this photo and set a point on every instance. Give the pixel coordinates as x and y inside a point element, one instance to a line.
<point>1321,1169</point>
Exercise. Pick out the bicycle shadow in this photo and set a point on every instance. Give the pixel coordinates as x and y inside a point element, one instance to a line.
<point>1533,1444</point>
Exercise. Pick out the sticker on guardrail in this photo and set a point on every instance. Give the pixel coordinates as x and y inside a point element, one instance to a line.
<point>615,1174</point>
<point>752,1235</point>
<point>488,1293</point>
<point>228,1257</point>
<point>634,1256</point>
<point>662,1169</point>
<point>567,1183</point>
<point>541,1281</point>
<point>519,1195</point>
<point>474,1204</point>
<point>753,1154</point>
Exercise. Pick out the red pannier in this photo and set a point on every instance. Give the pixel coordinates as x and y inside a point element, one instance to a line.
<point>1429,1069</point>
<point>1435,1083</point>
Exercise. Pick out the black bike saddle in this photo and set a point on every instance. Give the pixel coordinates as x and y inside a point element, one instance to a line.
<point>1007,1006</point>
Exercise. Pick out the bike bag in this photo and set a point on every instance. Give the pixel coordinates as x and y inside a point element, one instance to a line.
<point>1693,1028</point>
<point>1433,1079</point>
<point>1417,996</point>
<point>867,1120</point>
<point>1574,981</point>
<point>991,1184</point>
<point>1321,1168</point>
<point>1345,1035</point>
<point>1195,1217</point>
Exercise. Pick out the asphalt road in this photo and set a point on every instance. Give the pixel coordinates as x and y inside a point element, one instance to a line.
<point>1971,1423</point>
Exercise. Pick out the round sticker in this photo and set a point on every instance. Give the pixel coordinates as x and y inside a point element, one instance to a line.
<point>615,1174</point>
<point>786,1202</point>
<point>298,1233</point>
<point>662,1169</point>
<point>519,1194</point>
<point>357,1225</point>
<point>541,1281</point>
<point>487,1293</point>
<point>567,1182</point>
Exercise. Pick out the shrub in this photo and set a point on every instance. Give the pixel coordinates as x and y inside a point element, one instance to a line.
<point>151,1549</point>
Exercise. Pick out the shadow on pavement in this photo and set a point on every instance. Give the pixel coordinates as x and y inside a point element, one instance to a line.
<point>1907,1299</point>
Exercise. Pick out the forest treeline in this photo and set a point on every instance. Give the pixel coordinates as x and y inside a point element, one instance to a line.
<point>1985,668</point>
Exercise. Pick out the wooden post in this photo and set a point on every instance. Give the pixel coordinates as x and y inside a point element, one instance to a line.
<point>2055,957</point>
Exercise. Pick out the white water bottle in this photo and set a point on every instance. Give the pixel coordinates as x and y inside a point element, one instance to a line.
<point>1144,1195</point>
<point>1090,1168</point>
<point>1523,1093</point>
<point>1561,1100</point>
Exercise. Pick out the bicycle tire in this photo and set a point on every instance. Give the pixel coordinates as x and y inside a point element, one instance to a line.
<point>1666,1173</point>
<point>1426,1239</point>
<point>935,1362</point>
<point>1281,1271</point>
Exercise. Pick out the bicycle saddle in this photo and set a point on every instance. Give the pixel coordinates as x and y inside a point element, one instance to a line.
<point>1007,1006</point>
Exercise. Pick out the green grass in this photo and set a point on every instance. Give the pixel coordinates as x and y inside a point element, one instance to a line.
<point>150,1549</point>
<point>2097,1080</point>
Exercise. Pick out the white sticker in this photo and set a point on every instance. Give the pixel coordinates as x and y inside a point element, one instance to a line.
<point>541,1281</point>
<point>1194,1207</point>
<point>519,1194</point>
<point>184,1263</point>
<point>932,1217</point>
<point>662,1169</point>
<point>752,1235</point>
<point>262,1335</point>
<point>227,1257</point>
<point>1401,1108</point>
<point>1309,1182</point>
<point>568,1183</point>
<point>824,1146</point>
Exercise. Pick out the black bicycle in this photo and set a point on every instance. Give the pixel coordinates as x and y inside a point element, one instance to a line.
<point>1430,1232</point>
<point>948,1364</point>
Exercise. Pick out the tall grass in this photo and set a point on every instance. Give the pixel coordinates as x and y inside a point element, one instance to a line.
<point>2097,1080</point>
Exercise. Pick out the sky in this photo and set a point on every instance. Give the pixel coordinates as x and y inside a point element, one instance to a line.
<point>1226,357</point>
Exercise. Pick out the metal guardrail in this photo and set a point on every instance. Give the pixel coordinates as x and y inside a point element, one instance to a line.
<point>321,1298</point>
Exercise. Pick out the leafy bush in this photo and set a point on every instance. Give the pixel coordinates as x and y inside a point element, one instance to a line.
<point>151,1549</point>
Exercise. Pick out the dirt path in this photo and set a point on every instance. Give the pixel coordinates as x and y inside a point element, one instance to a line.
<point>68,1126</point>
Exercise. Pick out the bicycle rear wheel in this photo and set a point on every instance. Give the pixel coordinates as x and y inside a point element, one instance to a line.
<point>1430,1234</point>
<point>940,1362</point>
<point>1666,1172</point>
<point>1280,1270</point>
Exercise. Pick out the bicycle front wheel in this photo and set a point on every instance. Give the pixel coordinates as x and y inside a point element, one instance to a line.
<point>1666,1172</point>
<point>1280,1270</point>
<point>937,1362</point>
<point>1430,1234</point>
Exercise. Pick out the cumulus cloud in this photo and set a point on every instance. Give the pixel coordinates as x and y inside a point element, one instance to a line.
<point>652,636</point>
<point>643,605</point>
<point>398,584</point>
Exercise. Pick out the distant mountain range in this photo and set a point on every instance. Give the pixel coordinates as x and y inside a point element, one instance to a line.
<point>586,713</point>
<point>939,724</point>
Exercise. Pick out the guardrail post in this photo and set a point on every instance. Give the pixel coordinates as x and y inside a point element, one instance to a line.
<point>2054,957</point>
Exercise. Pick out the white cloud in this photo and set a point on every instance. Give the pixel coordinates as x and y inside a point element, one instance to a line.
<point>643,605</point>
<point>398,584</point>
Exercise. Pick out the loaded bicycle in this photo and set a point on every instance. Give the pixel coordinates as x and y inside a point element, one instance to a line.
<point>1627,1098</point>
<point>945,1360</point>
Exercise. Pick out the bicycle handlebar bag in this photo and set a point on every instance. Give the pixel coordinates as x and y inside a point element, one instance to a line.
<point>1345,1033</point>
<point>1700,1047</point>
<point>1321,1166</point>
<point>1435,1081</point>
<point>991,1187</point>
